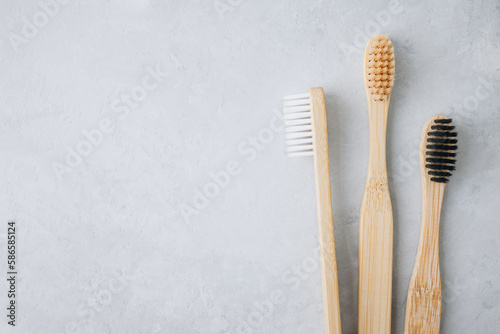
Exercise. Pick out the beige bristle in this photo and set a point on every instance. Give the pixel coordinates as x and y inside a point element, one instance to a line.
<point>379,67</point>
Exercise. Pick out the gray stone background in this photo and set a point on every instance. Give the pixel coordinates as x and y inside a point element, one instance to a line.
<point>116,115</point>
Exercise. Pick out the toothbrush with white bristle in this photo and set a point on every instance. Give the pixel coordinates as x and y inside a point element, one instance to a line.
<point>306,134</point>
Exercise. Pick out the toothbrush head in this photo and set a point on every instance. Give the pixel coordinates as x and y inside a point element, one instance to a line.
<point>297,113</point>
<point>379,67</point>
<point>440,145</point>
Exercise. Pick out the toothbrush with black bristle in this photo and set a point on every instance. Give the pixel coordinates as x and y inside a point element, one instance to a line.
<point>306,135</point>
<point>437,161</point>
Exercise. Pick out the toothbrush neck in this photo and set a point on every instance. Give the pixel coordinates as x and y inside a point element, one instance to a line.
<point>429,234</point>
<point>378,126</point>
<point>431,213</point>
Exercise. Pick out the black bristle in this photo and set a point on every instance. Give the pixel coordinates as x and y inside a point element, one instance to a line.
<point>440,154</point>
<point>437,173</point>
<point>440,160</point>
<point>439,179</point>
<point>443,121</point>
<point>442,134</point>
<point>441,141</point>
<point>440,167</point>
<point>442,127</point>
<point>442,147</point>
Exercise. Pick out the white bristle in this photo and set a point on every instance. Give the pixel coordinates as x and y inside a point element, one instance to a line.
<point>297,148</point>
<point>299,141</point>
<point>299,128</point>
<point>292,103</point>
<point>295,135</point>
<point>289,110</point>
<point>298,115</point>
<point>296,96</point>
<point>298,125</point>
<point>298,121</point>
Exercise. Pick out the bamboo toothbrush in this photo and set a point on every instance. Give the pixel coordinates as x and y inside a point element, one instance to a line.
<point>375,221</point>
<point>306,134</point>
<point>423,308</point>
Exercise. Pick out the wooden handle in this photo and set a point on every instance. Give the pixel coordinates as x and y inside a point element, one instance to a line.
<point>423,306</point>
<point>375,233</point>
<point>329,280</point>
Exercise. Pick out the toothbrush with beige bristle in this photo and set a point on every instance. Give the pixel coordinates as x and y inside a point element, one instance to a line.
<point>306,135</point>
<point>437,161</point>
<point>375,221</point>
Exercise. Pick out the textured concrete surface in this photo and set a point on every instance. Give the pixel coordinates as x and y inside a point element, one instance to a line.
<point>116,117</point>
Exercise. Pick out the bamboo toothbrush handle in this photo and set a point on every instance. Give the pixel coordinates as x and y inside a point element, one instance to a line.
<point>423,306</point>
<point>329,279</point>
<point>375,234</point>
<point>375,259</point>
